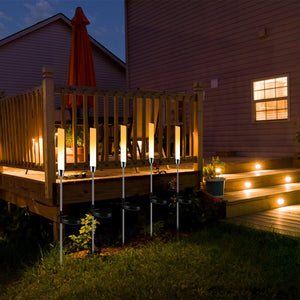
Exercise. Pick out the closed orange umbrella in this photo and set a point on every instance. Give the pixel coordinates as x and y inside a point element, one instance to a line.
<point>81,69</point>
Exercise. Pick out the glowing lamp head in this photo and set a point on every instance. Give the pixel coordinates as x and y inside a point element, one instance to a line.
<point>93,147</point>
<point>151,140</point>
<point>288,179</point>
<point>258,166</point>
<point>247,185</point>
<point>280,201</point>
<point>61,149</point>
<point>123,143</point>
<point>177,143</point>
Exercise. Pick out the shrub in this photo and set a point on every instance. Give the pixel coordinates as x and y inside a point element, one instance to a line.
<point>83,240</point>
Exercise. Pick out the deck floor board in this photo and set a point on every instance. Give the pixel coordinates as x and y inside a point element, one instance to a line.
<point>284,220</point>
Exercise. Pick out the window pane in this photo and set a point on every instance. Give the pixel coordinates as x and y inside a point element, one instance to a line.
<point>259,95</point>
<point>281,82</point>
<point>260,106</point>
<point>281,92</point>
<point>281,104</point>
<point>271,114</point>
<point>260,116</point>
<point>271,105</point>
<point>259,85</point>
<point>270,83</point>
<point>282,114</point>
<point>270,93</point>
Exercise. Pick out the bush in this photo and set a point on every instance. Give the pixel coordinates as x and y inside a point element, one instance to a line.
<point>84,239</point>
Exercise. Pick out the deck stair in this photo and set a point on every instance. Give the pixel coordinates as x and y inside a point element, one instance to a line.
<point>267,186</point>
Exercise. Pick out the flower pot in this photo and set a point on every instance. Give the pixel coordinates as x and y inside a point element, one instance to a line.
<point>215,186</point>
<point>70,154</point>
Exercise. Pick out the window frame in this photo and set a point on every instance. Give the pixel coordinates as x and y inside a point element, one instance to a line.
<point>270,99</point>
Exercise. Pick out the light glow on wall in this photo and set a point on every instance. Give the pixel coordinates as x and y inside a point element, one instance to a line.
<point>151,140</point>
<point>61,149</point>
<point>123,143</point>
<point>93,147</point>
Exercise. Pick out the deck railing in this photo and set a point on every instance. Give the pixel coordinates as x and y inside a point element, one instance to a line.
<point>21,130</point>
<point>27,134</point>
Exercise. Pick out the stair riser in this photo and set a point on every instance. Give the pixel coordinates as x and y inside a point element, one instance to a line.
<point>260,181</point>
<point>233,167</point>
<point>239,208</point>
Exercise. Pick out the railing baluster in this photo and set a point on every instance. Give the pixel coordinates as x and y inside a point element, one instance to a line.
<point>183,127</point>
<point>106,132</point>
<point>134,129</point>
<point>96,121</point>
<point>143,128</point>
<point>160,128</point>
<point>168,119</point>
<point>74,126</point>
<point>86,143</point>
<point>116,128</point>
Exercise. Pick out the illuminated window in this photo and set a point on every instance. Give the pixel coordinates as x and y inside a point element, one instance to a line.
<point>271,99</point>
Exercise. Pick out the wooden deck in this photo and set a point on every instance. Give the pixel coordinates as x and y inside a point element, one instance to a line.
<point>27,189</point>
<point>284,220</point>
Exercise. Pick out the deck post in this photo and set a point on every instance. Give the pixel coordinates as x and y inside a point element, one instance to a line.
<point>198,125</point>
<point>48,133</point>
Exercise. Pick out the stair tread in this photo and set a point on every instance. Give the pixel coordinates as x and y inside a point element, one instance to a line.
<point>259,173</point>
<point>260,192</point>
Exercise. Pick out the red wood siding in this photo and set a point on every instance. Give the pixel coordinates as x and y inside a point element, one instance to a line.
<point>170,45</point>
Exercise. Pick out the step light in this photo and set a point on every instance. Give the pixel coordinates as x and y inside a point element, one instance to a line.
<point>280,201</point>
<point>288,179</point>
<point>258,166</point>
<point>247,184</point>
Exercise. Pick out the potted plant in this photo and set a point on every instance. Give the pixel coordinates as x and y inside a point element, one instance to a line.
<point>69,144</point>
<point>212,175</point>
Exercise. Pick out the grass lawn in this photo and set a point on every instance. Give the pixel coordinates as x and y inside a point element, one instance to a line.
<point>221,261</point>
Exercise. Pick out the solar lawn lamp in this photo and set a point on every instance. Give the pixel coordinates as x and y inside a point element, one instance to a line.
<point>153,199</point>
<point>63,219</point>
<point>123,142</point>
<point>123,158</point>
<point>95,212</point>
<point>179,199</point>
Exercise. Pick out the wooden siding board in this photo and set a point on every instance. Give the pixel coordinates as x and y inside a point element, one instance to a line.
<point>23,59</point>
<point>219,40</point>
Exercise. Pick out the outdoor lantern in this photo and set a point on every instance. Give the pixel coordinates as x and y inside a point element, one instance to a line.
<point>95,212</point>
<point>61,168</point>
<point>177,144</point>
<point>61,150</point>
<point>93,147</point>
<point>123,144</point>
<point>151,142</point>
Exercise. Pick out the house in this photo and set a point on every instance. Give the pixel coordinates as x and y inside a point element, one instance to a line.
<point>48,43</point>
<point>246,54</point>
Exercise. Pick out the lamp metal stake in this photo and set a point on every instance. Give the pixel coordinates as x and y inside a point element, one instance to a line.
<point>61,173</point>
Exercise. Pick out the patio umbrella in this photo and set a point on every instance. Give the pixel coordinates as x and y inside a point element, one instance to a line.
<point>81,71</point>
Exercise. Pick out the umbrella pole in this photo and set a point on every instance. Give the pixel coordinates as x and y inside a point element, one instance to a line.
<point>123,164</point>
<point>93,206</point>
<point>61,173</point>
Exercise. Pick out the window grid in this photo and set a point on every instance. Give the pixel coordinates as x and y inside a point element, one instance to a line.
<point>271,99</point>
